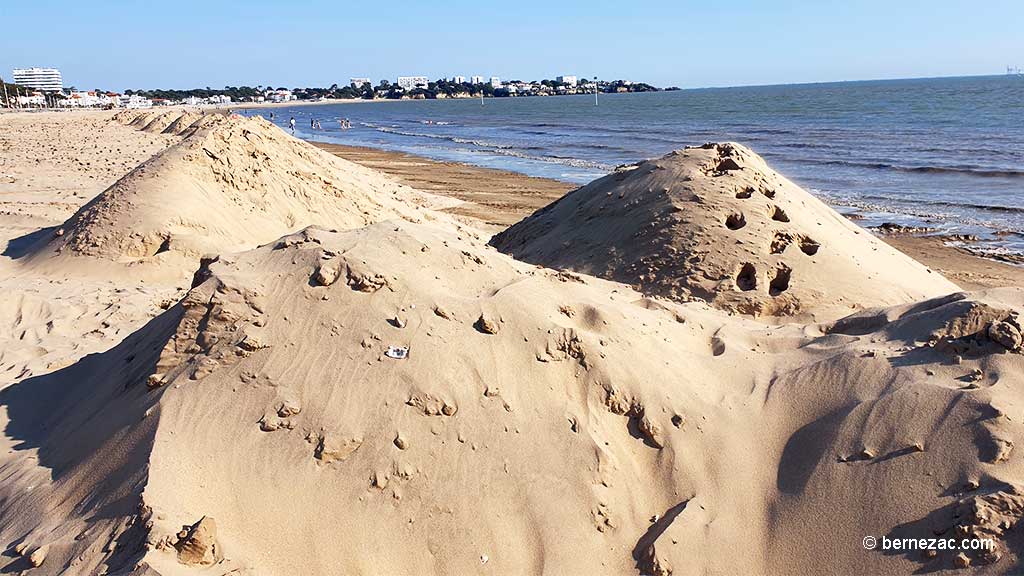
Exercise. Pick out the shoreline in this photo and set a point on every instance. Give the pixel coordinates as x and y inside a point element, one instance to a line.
<point>500,198</point>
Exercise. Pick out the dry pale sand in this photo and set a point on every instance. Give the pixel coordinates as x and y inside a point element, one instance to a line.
<point>358,383</point>
<point>50,165</point>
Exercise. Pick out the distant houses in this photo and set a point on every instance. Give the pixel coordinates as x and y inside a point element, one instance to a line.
<point>405,87</point>
<point>413,82</point>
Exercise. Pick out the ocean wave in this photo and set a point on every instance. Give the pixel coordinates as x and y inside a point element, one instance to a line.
<point>456,139</point>
<point>983,207</point>
<point>503,149</point>
<point>872,201</point>
<point>563,160</point>
<point>968,170</point>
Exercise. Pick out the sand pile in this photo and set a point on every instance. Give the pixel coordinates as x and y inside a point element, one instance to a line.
<point>141,120</point>
<point>206,122</point>
<point>182,123</point>
<point>126,116</point>
<point>715,223</point>
<point>402,399</point>
<point>51,164</point>
<point>232,184</point>
<point>162,121</point>
<point>397,397</point>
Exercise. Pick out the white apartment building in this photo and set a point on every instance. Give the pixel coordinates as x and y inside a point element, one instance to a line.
<point>410,82</point>
<point>459,79</point>
<point>495,82</point>
<point>47,79</point>
<point>280,96</point>
<point>476,80</point>
<point>358,82</point>
<point>570,80</point>
<point>134,101</point>
<point>89,99</point>
<point>33,100</point>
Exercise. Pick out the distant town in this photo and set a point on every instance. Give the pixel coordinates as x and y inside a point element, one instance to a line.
<point>44,88</point>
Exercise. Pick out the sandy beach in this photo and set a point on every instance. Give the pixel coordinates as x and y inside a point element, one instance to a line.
<point>224,350</point>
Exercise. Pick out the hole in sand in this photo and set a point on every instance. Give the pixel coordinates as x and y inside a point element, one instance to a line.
<point>726,165</point>
<point>165,246</point>
<point>780,242</point>
<point>746,280</point>
<point>779,215</point>
<point>780,282</point>
<point>808,246</point>
<point>735,221</point>
<point>746,192</point>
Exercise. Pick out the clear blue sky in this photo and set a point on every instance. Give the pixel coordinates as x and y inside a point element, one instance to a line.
<point>185,43</point>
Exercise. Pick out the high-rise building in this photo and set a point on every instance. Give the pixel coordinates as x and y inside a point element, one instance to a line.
<point>458,79</point>
<point>47,79</point>
<point>410,82</point>
<point>570,80</point>
<point>476,80</point>
<point>495,82</point>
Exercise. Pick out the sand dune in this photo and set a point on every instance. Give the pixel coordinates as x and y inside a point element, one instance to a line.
<point>161,122</point>
<point>540,419</point>
<point>182,122</point>
<point>715,223</point>
<point>50,165</point>
<point>386,393</point>
<point>231,184</point>
<point>142,119</point>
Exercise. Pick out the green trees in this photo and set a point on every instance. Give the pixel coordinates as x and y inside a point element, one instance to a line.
<point>443,87</point>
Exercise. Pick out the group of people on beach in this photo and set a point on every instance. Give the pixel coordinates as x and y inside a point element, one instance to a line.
<point>314,124</point>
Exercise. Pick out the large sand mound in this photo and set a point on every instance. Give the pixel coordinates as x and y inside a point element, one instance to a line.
<point>140,120</point>
<point>232,184</point>
<point>400,399</point>
<point>182,123</point>
<point>716,223</point>
<point>162,121</point>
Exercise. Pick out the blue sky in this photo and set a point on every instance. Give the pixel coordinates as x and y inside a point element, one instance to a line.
<point>185,43</point>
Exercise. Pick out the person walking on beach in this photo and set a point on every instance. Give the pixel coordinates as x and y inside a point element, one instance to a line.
<point>291,123</point>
